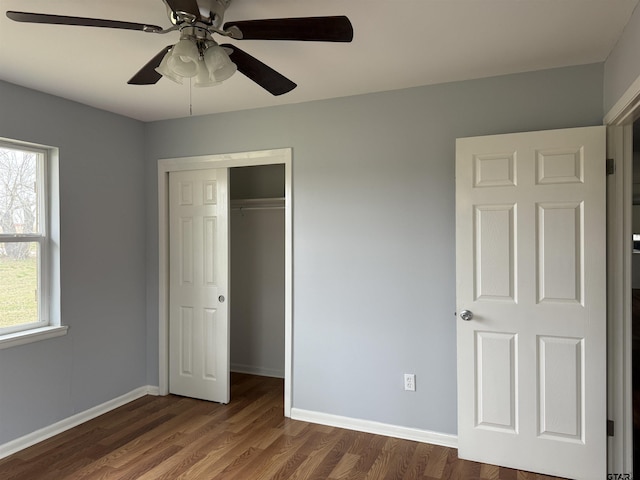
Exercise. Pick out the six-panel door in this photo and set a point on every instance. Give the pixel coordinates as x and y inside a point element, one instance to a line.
<point>199,278</point>
<point>530,265</point>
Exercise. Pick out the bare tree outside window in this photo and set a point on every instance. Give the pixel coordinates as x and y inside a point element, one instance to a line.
<point>19,255</point>
<point>18,198</point>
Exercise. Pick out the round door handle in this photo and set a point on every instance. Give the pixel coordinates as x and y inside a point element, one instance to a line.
<point>221,298</point>
<point>466,315</point>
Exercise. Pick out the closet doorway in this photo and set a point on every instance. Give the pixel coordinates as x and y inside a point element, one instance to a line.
<point>242,201</point>
<point>257,227</point>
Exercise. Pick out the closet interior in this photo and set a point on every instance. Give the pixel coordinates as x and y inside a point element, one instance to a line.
<point>257,309</point>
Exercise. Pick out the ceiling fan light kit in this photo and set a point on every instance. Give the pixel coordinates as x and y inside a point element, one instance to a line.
<point>203,79</point>
<point>218,63</point>
<point>164,70</point>
<point>183,58</point>
<point>197,55</point>
<point>205,60</point>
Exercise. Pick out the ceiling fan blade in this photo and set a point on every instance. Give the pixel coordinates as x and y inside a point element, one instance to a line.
<point>80,21</point>
<point>265,76</point>
<point>314,29</point>
<point>147,75</point>
<point>184,6</point>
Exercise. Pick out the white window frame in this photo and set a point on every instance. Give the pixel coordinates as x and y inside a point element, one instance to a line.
<point>48,324</point>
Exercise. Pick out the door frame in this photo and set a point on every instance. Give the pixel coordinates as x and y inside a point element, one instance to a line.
<point>229,160</point>
<point>619,121</point>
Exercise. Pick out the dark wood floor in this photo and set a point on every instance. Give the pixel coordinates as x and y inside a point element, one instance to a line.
<point>174,438</point>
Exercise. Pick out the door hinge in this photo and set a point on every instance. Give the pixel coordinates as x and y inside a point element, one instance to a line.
<point>610,428</point>
<point>611,166</point>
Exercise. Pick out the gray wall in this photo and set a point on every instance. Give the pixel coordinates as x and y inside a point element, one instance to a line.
<point>623,64</point>
<point>373,228</point>
<point>102,265</point>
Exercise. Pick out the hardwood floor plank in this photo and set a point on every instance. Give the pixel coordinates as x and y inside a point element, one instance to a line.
<point>346,464</point>
<point>317,450</point>
<point>287,458</point>
<point>239,462</point>
<point>174,466</point>
<point>340,446</point>
<point>178,438</point>
<point>138,466</point>
<point>247,416</point>
<point>400,459</point>
<point>103,473</point>
<point>223,458</point>
<point>437,462</point>
<point>508,474</point>
<point>294,427</point>
<point>368,448</point>
<point>381,464</point>
<point>134,431</point>
<point>272,454</point>
<point>489,472</point>
<point>312,453</point>
<point>54,457</point>
<point>217,458</point>
<point>462,469</point>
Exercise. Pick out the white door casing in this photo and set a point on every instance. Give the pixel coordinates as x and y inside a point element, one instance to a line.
<point>531,266</point>
<point>199,279</point>
<point>227,160</point>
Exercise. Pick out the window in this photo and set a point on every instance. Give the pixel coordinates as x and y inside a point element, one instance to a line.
<point>25,243</point>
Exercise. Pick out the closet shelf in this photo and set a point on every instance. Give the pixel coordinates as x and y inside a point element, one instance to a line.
<point>257,203</point>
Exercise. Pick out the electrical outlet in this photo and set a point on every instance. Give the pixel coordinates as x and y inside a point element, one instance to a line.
<point>410,382</point>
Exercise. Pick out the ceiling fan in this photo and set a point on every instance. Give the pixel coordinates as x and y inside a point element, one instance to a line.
<point>198,55</point>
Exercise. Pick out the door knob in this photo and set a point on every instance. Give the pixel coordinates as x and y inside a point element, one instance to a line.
<point>466,315</point>
<point>221,298</point>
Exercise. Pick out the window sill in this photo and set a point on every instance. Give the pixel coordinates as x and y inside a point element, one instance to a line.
<point>30,336</point>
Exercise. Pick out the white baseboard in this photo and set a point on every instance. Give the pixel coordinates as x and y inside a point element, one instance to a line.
<point>367,426</point>
<point>254,370</point>
<point>73,421</point>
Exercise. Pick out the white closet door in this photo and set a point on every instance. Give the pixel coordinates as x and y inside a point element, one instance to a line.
<point>199,279</point>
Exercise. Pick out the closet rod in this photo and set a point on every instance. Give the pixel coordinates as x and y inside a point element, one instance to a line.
<point>257,207</point>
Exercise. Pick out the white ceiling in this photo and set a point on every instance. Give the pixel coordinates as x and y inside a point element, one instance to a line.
<point>397,44</point>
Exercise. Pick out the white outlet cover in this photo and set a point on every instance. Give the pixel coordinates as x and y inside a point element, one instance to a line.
<point>410,382</point>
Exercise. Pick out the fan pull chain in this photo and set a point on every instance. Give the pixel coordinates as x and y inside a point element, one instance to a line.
<point>190,98</point>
